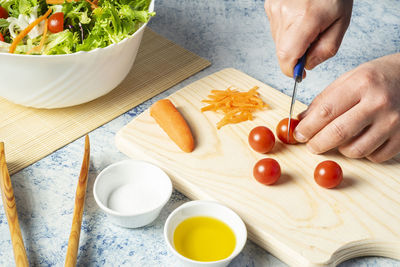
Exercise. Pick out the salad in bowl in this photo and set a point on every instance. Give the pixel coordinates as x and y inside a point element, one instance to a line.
<point>61,53</point>
<point>54,27</point>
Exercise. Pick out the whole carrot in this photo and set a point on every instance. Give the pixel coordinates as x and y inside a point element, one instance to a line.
<point>173,124</point>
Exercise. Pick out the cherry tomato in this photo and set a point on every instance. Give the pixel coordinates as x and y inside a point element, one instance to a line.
<point>261,139</point>
<point>3,13</point>
<point>282,131</point>
<point>267,171</point>
<point>56,22</point>
<point>328,174</point>
<point>1,37</point>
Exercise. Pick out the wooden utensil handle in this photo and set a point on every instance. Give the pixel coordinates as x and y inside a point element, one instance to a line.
<point>73,242</point>
<point>10,208</point>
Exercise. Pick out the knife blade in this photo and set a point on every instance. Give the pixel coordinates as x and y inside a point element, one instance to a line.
<point>298,77</point>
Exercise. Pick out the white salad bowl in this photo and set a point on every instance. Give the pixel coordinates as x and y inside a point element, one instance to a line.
<point>56,81</point>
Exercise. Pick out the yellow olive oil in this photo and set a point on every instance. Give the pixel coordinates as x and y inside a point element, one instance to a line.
<point>204,238</point>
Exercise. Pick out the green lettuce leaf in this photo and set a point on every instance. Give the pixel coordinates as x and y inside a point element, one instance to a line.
<point>4,23</point>
<point>61,43</point>
<point>24,7</point>
<point>76,12</point>
<point>85,28</point>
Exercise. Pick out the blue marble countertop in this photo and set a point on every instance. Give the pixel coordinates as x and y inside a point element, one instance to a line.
<point>229,33</point>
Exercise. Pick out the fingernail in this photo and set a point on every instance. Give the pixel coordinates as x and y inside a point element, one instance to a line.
<point>301,115</point>
<point>312,62</point>
<point>299,137</point>
<point>311,149</point>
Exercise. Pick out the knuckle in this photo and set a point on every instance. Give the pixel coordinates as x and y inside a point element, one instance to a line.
<point>382,102</point>
<point>328,50</point>
<point>367,78</point>
<point>285,8</point>
<point>370,77</point>
<point>326,111</point>
<point>273,7</point>
<point>338,132</point>
<point>282,55</point>
<point>394,120</point>
<point>309,9</point>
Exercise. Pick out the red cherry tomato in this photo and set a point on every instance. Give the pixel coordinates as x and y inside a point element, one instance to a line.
<point>1,37</point>
<point>261,139</point>
<point>3,13</point>
<point>56,22</point>
<point>282,131</point>
<point>267,171</point>
<point>328,174</point>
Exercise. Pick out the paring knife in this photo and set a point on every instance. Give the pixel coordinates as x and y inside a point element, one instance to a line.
<point>298,77</point>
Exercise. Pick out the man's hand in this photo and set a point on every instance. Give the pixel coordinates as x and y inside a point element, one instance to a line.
<point>359,113</point>
<point>299,24</point>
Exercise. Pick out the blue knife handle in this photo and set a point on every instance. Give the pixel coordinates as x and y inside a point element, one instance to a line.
<point>299,68</point>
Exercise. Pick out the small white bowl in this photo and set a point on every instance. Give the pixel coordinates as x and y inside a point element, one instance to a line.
<point>210,209</point>
<point>132,192</point>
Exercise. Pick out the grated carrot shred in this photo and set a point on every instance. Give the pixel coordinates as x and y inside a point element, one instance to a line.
<point>55,2</point>
<point>93,5</point>
<point>59,2</point>
<point>25,31</point>
<point>40,46</point>
<point>235,105</point>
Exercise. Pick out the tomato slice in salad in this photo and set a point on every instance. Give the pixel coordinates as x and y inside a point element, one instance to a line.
<point>56,22</point>
<point>3,13</point>
<point>1,37</point>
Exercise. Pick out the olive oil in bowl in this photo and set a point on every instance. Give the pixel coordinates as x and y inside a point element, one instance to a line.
<point>203,238</point>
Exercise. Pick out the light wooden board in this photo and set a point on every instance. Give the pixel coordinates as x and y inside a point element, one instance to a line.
<point>295,219</point>
<point>30,134</point>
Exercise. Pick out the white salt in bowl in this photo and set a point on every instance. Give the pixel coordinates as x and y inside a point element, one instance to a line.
<point>132,192</point>
<point>57,81</point>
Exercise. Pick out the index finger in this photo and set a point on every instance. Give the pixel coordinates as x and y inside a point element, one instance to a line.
<point>335,100</point>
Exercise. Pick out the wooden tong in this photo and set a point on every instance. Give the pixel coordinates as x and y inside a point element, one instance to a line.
<point>73,242</point>
<point>10,208</point>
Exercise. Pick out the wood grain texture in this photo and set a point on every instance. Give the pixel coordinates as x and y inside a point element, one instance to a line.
<point>31,134</point>
<point>73,242</point>
<point>295,219</point>
<point>10,208</point>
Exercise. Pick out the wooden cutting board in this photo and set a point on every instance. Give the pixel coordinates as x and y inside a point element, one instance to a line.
<point>295,219</point>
